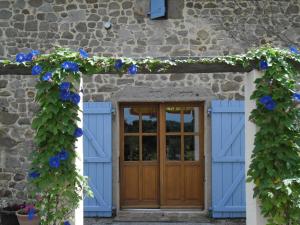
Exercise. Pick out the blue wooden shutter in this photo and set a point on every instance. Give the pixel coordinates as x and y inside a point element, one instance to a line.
<point>228,159</point>
<point>97,147</point>
<point>158,9</point>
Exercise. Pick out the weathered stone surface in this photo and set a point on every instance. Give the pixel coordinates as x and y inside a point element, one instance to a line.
<point>4,4</point>
<point>7,142</point>
<point>81,27</point>
<point>5,14</point>
<point>230,86</point>
<point>24,121</point>
<point>31,26</point>
<point>3,83</point>
<point>19,177</point>
<point>177,76</point>
<point>8,118</point>
<point>35,3</point>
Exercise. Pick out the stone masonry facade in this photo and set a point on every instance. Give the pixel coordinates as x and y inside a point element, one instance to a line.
<point>18,109</point>
<point>192,27</point>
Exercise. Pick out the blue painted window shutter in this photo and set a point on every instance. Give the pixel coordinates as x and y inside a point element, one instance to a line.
<point>97,147</point>
<point>158,9</point>
<point>228,159</point>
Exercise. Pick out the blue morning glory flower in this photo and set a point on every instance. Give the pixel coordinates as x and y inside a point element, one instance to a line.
<point>265,99</point>
<point>63,155</point>
<point>296,97</point>
<point>64,95</point>
<point>118,64</point>
<point>271,105</point>
<point>132,69</point>
<point>29,57</point>
<point>70,66</point>
<point>294,50</point>
<point>268,102</point>
<point>67,223</point>
<point>83,53</point>
<point>54,162</point>
<point>35,52</point>
<point>34,174</point>
<point>36,70</point>
<point>65,86</point>
<point>263,65</point>
<point>78,132</point>
<point>31,213</point>
<point>47,76</point>
<point>20,57</point>
<point>75,98</point>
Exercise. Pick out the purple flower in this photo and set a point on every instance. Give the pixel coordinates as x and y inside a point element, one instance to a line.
<point>20,57</point>
<point>268,102</point>
<point>54,162</point>
<point>70,66</point>
<point>31,213</point>
<point>29,57</point>
<point>75,98</point>
<point>118,64</point>
<point>64,95</point>
<point>63,155</point>
<point>83,53</point>
<point>67,223</point>
<point>271,105</point>
<point>35,52</point>
<point>64,86</point>
<point>294,50</point>
<point>34,174</point>
<point>36,70</point>
<point>132,69</point>
<point>296,97</point>
<point>47,76</point>
<point>265,99</point>
<point>78,132</point>
<point>263,65</point>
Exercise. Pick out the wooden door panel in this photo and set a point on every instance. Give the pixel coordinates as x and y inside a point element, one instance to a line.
<point>150,185</point>
<point>130,179</point>
<point>192,183</point>
<point>173,183</point>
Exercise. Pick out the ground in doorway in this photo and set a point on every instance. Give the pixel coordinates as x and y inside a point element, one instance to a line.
<point>161,217</point>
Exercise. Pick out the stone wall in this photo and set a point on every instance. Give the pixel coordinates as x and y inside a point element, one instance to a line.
<point>18,108</point>
<point>193,27</point>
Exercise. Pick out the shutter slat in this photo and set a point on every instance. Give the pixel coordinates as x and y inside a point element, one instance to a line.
<point>228,159</point>
<point>158,9</point>
<point>97,147</point>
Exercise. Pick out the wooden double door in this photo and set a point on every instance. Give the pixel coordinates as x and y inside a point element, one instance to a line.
<point>162,157</point>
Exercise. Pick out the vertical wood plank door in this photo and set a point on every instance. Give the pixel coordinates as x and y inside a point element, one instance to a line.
<point>162,157</point>
<point>182,155</point>
<point>139,159</point>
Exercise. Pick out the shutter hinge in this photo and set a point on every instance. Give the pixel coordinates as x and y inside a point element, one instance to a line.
<point>209,110</point>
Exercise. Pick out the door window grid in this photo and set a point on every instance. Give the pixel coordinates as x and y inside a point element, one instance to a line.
<point>147,151</point>
<point>183,133</point>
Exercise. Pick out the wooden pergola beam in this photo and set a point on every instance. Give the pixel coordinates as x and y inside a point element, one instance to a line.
<point>182,67</point>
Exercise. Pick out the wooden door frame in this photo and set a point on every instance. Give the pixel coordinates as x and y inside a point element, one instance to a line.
<point>162,143</point>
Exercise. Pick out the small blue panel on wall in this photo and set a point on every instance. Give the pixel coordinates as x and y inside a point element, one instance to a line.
<point>228,159</point>
<point>97,156</point>
<point>158,9</point>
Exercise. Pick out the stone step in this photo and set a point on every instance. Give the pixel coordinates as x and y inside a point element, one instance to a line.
<point>162,217</point>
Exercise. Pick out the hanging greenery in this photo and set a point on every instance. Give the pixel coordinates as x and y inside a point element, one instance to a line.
<point>275,165</point>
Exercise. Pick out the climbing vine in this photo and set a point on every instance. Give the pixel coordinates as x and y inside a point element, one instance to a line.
<point>275,165</point>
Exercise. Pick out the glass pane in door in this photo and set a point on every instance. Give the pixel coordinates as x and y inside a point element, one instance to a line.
<point>172,119</point>
<point>149,120</point>
<point>191,148</point>
<point>149,148</point>
<point>131,148</point>
<point>131,120</point>
<point>191,119</point>
<point>173,147</point>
